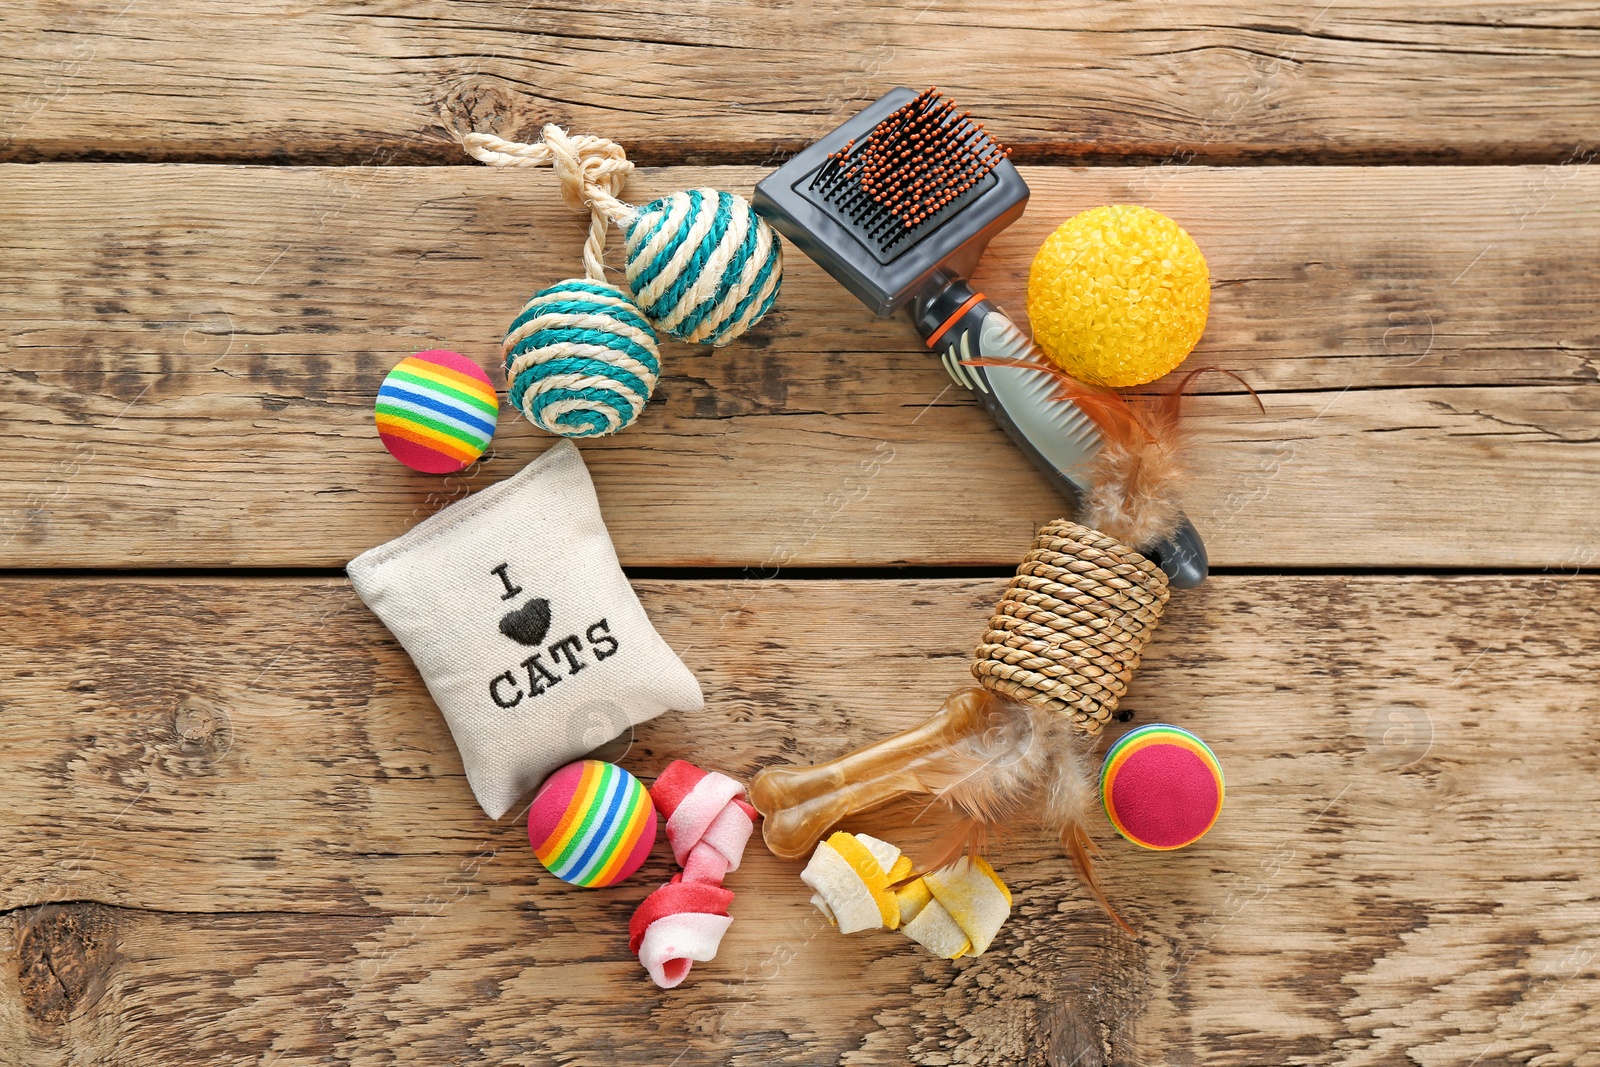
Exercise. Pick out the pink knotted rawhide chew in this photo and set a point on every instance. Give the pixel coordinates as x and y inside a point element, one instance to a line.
<point>708,825</point>
<point>676,925</point>
<point>708,820</point>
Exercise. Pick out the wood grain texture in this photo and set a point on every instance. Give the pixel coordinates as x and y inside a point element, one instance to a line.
<point>1207,80</point>
<point>191,352</point>
<point>236,825</point>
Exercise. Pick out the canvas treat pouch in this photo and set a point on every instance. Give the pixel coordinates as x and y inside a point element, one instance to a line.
<point>516,612</point>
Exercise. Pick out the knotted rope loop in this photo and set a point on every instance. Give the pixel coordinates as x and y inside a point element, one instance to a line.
<point>592,171</point>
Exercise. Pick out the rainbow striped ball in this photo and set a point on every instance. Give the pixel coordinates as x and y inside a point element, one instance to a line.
<point>592,823</point>
<point>581,361</point>
<point>1161,787</point>
<point>436,411</point>
<point>703,265</point>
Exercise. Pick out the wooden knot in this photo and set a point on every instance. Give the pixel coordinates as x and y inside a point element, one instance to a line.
<point>203,728</point>
<point>63,954</point>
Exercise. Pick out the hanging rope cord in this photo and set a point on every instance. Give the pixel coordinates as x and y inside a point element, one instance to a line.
<point>592,171</point>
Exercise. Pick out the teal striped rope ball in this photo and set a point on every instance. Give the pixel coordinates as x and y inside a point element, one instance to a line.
<point>703,266</point>
<point>581,361</point>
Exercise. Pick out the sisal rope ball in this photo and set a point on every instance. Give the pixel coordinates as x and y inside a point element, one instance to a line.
<point>581,361</point>
<point>1118,295</point>
<point>703,266</point>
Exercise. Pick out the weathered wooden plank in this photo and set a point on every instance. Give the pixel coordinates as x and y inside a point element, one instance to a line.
<point>191,354</point>
<point>1205,80</point>
<point>235,824</point>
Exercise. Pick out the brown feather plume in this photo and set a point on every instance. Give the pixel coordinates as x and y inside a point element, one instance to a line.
<point>1029,765</point>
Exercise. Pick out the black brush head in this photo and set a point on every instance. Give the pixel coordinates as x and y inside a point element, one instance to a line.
<point>907,189</point>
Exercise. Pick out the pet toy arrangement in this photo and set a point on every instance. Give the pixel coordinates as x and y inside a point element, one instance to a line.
<point>1058,656</point>
<point>592,824</point>
<point>898,204</point>
<point>532,643</point>
<point>512,603</point>
<point>534,646</point>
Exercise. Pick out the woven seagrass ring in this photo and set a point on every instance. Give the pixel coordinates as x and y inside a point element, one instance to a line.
<point>1073,624</point>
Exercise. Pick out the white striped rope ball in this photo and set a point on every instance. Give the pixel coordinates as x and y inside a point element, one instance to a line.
<point>703,266</point>
<point>581,361</point>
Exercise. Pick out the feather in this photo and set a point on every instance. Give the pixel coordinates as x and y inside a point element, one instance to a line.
<point>1137,474</point>
<point>1028,765</point>
<point>984,765</point>
<point>1134,492</point>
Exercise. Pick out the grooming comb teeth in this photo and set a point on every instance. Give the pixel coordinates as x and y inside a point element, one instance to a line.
<point>910,167</point>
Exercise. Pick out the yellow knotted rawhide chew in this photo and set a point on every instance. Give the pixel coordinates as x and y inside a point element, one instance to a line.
<point>955,911</point>
<point>952,912</point>
<point>851,875</point>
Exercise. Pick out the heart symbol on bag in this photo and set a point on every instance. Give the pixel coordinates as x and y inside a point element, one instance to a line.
<point>528,624</point>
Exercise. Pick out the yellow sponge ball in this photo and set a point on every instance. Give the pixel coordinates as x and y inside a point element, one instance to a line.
<point>1118,295</point>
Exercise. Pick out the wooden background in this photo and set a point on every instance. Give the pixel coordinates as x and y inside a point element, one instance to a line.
<point>236,830</point>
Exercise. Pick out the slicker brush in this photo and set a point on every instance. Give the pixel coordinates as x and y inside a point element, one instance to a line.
<point>898,204</point>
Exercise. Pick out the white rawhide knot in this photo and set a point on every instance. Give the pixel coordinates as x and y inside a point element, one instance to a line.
<point>592,171</point>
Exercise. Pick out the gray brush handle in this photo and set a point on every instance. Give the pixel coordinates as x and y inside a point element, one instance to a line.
<point>958,325</point>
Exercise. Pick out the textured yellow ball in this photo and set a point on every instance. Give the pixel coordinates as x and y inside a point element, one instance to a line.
<point>1118,295</point>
